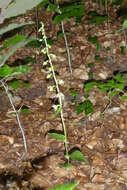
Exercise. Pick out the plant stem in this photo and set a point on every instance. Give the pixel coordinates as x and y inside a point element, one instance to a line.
<point>58,91</point>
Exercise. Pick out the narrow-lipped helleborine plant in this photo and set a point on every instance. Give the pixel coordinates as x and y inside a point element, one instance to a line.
<point>59,95</point>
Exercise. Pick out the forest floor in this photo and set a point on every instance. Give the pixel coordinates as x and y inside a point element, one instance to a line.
<point>101,139</point>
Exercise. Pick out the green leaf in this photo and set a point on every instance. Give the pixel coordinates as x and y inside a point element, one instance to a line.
<point>60,35</point>
<point>19,7</point>
<point>93,39</point>
<point>13,26</point>
<point>98,47</point>
<point>80,108</point>
<point>89,86</point>
<point>124,97</point>
<point>73,10</point>
<point>97,57</point>
<point>58,110</point>
<point>78,156</point>
<point>5,71</point>
<point>53,8</point>
<point>14,84</point>
<point>25,110</point>
<point>96,18</point>
<point>88,107</point>
<point>120,78</point>
<point>14,40</point>
<point>119,86</point>
<point>57,136</point>
<point>65,186</point>
<point>21,69</point>
<point>85,106</point>
<point>104,87</point>
<point>113,93</point>
<point>74,94</point>
<point>124,25</point>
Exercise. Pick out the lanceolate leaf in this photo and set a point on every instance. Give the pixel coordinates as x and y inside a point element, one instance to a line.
<point>65,186</point>
<point>77,156</point>
<point>57,136</point>
<point>13,26</point>
<point>19,7</point>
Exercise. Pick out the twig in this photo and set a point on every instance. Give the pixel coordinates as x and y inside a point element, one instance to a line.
<point>125,37</point>
<point>67,48</point>
<point>37,23</point>
<point>17,116</point>
<point>106,107</point>
<point>66,42</point>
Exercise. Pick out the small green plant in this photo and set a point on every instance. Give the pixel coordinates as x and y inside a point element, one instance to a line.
<point>86,106</point>
<point>59,136</point>
<point>113,87</point>
<point>55,87</point>
<point>97,19</point>
<point>74,94</point>
<point>25,110</point>
<point>16,84</point>
<point>94,40</point>
<point>75,10</point>
<point>123,28</point>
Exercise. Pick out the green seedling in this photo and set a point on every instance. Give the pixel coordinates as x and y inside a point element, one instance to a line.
<point>57,136</point>
<point>97,57</point>
<point>25,110</point>
<point>75,10</point>
<point>74,94</point>
<point>112,87</point>
<point>97,19</point>
<point>7,71</point>
<point>123,28</point>
<point>94,40</point>
<point>86,106</point>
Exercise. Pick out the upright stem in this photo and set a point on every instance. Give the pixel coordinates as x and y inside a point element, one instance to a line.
<point>58,91</point>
